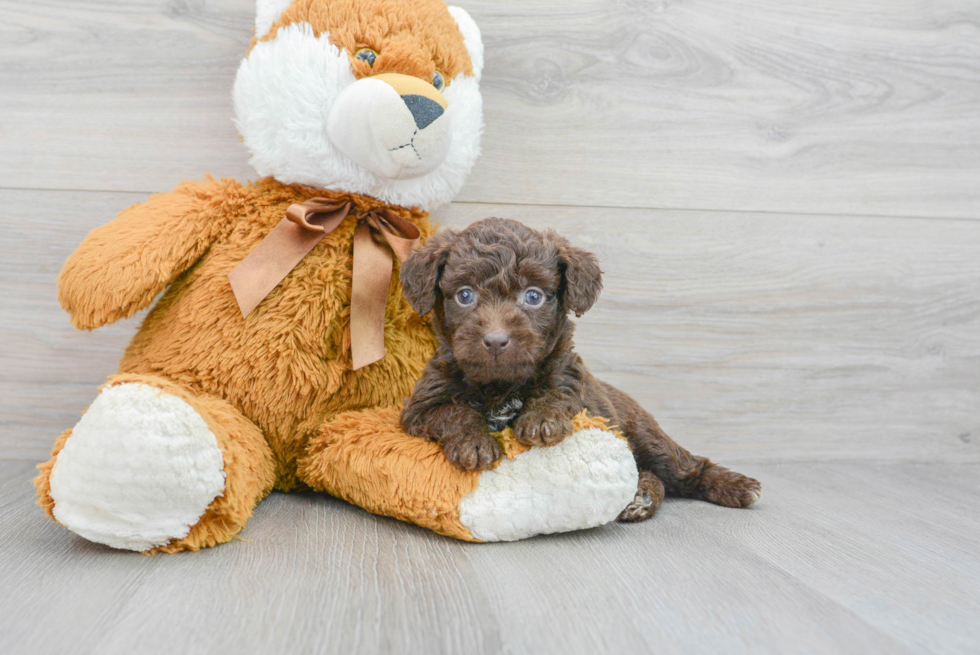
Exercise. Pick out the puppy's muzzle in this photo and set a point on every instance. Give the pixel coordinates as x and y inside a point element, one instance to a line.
<point>396,126</point>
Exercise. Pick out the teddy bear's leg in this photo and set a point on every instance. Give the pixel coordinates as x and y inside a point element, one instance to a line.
<point>365,458</point>
<point>152,466</point>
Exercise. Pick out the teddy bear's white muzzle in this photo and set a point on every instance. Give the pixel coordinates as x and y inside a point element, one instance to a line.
<point>393,127</point>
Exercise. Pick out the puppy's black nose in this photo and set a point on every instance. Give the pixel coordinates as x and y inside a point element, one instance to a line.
<point>496,343</point>
<point>424,110</point>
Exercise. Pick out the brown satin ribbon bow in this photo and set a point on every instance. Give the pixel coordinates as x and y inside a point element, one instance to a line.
<point>306,223</point>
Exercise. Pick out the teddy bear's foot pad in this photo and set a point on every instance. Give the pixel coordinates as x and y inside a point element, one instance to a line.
<point>582,482</point>
<point>140,468</point>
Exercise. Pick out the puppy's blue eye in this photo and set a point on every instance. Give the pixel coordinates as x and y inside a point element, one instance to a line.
<point>533,297</point>
<point>438,81</point>
<point>465,296</point>
<point>366,54</point>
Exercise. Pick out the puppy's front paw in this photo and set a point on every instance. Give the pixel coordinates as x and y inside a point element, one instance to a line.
<point>471,451</point>
<point>542,426</point>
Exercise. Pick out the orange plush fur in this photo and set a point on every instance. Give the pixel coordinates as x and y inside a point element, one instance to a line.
<point>277,389</point>
<point>412,38</point>
<point>267,384</point>
<point>263,385</point>
<point>365,458</point>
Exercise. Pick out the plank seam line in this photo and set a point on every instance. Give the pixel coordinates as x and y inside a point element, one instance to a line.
<point>722,211</point>
<point>971,219</point>
<point>722,458</point>
<point>570,206</point>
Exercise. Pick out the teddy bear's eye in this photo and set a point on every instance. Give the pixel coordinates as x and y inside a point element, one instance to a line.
<point>438,81</point>
<point>466,296</point>
<point>366,54</point>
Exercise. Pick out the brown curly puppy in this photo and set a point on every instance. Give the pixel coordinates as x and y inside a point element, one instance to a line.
<point>501,293</point>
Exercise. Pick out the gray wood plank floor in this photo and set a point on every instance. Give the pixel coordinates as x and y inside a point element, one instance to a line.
<point>836,558</point>
<point>785,200</point>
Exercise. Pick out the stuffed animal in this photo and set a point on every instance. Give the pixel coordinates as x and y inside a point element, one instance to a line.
<point>282,348</point>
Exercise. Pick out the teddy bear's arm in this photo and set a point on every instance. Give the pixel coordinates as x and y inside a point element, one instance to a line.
<point>120,267</point>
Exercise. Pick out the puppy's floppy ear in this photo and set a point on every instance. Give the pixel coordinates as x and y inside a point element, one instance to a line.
<point>420,272</point>
<point>580,272</point>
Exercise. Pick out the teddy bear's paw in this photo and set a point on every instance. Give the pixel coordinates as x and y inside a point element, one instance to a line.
<point>140,468</point>
<point>582,482</point>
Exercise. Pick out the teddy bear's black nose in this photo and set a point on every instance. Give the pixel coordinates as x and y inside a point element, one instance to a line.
<point>424,110</point>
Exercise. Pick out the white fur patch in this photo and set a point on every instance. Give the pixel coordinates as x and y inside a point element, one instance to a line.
<point>582,482</point>
<point>283,94</point>
<point>268,12</point>
<point>139,469</point>
<point>471,38</point>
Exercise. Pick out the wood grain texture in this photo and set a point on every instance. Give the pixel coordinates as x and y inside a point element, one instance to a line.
<point>846,106</point>
<point>769,337</point>
<point>831,354</point>
<point>49,372</point>
<point>752,337</point>
<point>869,558</point>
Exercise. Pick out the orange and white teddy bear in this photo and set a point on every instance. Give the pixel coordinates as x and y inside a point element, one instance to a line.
<point>361,115</point>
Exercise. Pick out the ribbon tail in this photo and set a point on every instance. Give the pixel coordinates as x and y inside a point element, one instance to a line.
<point>371,280</point>
<point>282,249</point>
<point>265,267</point>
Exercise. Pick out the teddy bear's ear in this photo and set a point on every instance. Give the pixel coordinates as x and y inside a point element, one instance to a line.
<point>267,12</point>
<point>420,273</point>
<point>471,37</point>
